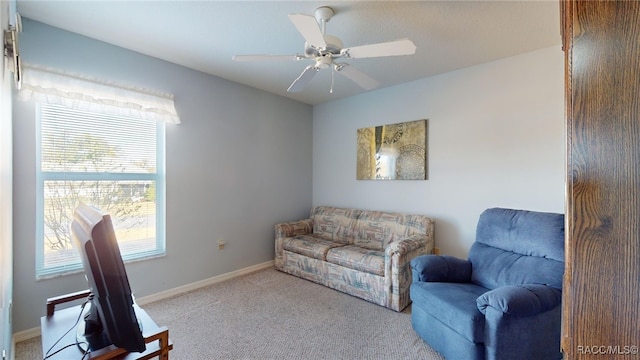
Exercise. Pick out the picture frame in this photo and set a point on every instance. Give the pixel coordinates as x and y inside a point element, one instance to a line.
<point>393,152</point>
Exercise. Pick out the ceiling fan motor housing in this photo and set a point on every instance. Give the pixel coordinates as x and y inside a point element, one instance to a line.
<point>334,45</point>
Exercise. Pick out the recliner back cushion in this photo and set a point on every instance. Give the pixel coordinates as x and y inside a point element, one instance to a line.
<point>518,247</point>
<point>493,268</point>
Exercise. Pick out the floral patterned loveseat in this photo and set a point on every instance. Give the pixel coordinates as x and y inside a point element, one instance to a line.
<point>360,252</point>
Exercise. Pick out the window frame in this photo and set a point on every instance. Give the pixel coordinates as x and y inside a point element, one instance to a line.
<point>159,177</point>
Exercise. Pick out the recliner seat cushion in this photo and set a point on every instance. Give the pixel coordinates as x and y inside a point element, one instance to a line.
<point>453,304</point>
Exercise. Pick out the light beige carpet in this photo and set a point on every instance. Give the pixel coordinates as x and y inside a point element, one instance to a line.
<point>272,315</point>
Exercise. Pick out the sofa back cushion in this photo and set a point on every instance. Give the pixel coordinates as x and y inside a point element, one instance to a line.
<point>336,224</point>
<point>376,229</point>
<point>518,247</point>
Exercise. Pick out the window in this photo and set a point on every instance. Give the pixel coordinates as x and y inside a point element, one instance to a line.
<point>113,162</point>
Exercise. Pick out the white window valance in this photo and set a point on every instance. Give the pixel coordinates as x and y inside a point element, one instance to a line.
<point>83,93</point>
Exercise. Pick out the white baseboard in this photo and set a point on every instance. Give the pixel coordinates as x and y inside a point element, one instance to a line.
<point>35,332</point>
<point>202,283</point>
<point>25,335</point>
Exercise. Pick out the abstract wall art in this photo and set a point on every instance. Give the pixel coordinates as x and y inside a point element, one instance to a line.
<point>393,152</point>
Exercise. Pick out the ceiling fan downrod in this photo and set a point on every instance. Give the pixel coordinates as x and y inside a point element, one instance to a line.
<point>323,14</point>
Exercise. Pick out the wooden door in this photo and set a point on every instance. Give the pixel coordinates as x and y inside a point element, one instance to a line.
<point>601,297</point>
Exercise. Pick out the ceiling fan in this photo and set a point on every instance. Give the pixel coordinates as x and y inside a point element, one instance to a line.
<point>324,49</point>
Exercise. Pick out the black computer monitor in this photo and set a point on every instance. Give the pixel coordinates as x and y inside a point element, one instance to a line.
<point>111,318</point>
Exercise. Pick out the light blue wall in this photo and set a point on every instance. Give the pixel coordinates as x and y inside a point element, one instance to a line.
<point>496,138</point>
<point>239,163</point>
<point>242,159</point>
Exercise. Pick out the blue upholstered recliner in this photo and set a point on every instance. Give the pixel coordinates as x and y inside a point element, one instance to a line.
<point>504,301</point>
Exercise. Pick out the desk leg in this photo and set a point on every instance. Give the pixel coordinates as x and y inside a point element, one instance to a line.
<point>162,335</point>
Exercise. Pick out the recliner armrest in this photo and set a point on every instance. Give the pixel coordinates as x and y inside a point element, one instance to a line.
<point>440,268</point>
<point>520,300</point>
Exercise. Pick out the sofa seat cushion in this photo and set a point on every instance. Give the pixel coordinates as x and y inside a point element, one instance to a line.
<point>357,258</point>
<point>453,304</point>
<point>310,245</point>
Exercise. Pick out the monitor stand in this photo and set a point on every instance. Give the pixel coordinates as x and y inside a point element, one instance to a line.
<point>90,335</point>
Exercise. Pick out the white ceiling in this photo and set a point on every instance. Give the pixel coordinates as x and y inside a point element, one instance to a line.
<point>204,35</point>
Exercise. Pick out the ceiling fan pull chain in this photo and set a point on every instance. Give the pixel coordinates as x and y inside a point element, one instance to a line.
<point>333,71</point>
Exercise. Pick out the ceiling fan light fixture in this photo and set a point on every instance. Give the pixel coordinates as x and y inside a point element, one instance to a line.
<point>323,62</point>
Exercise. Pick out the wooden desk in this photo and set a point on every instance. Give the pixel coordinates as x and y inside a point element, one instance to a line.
<point>56,323</point>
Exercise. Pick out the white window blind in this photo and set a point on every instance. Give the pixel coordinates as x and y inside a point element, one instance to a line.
<point>112,162</point>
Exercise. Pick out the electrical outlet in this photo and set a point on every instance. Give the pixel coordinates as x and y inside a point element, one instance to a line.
<point>221,244</point>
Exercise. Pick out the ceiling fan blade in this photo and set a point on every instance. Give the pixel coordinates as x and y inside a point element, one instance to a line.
<point>391,48</point>
<point>307,74</point>
<point>308,27</point>
<point>365,81</point>
<point>265,57</point>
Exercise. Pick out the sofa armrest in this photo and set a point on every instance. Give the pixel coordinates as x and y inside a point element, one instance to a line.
<point>520,300</point>
<point>289,229</point>
<point>406,245</point>
<point>440,268</point>
<point>397,269</point>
